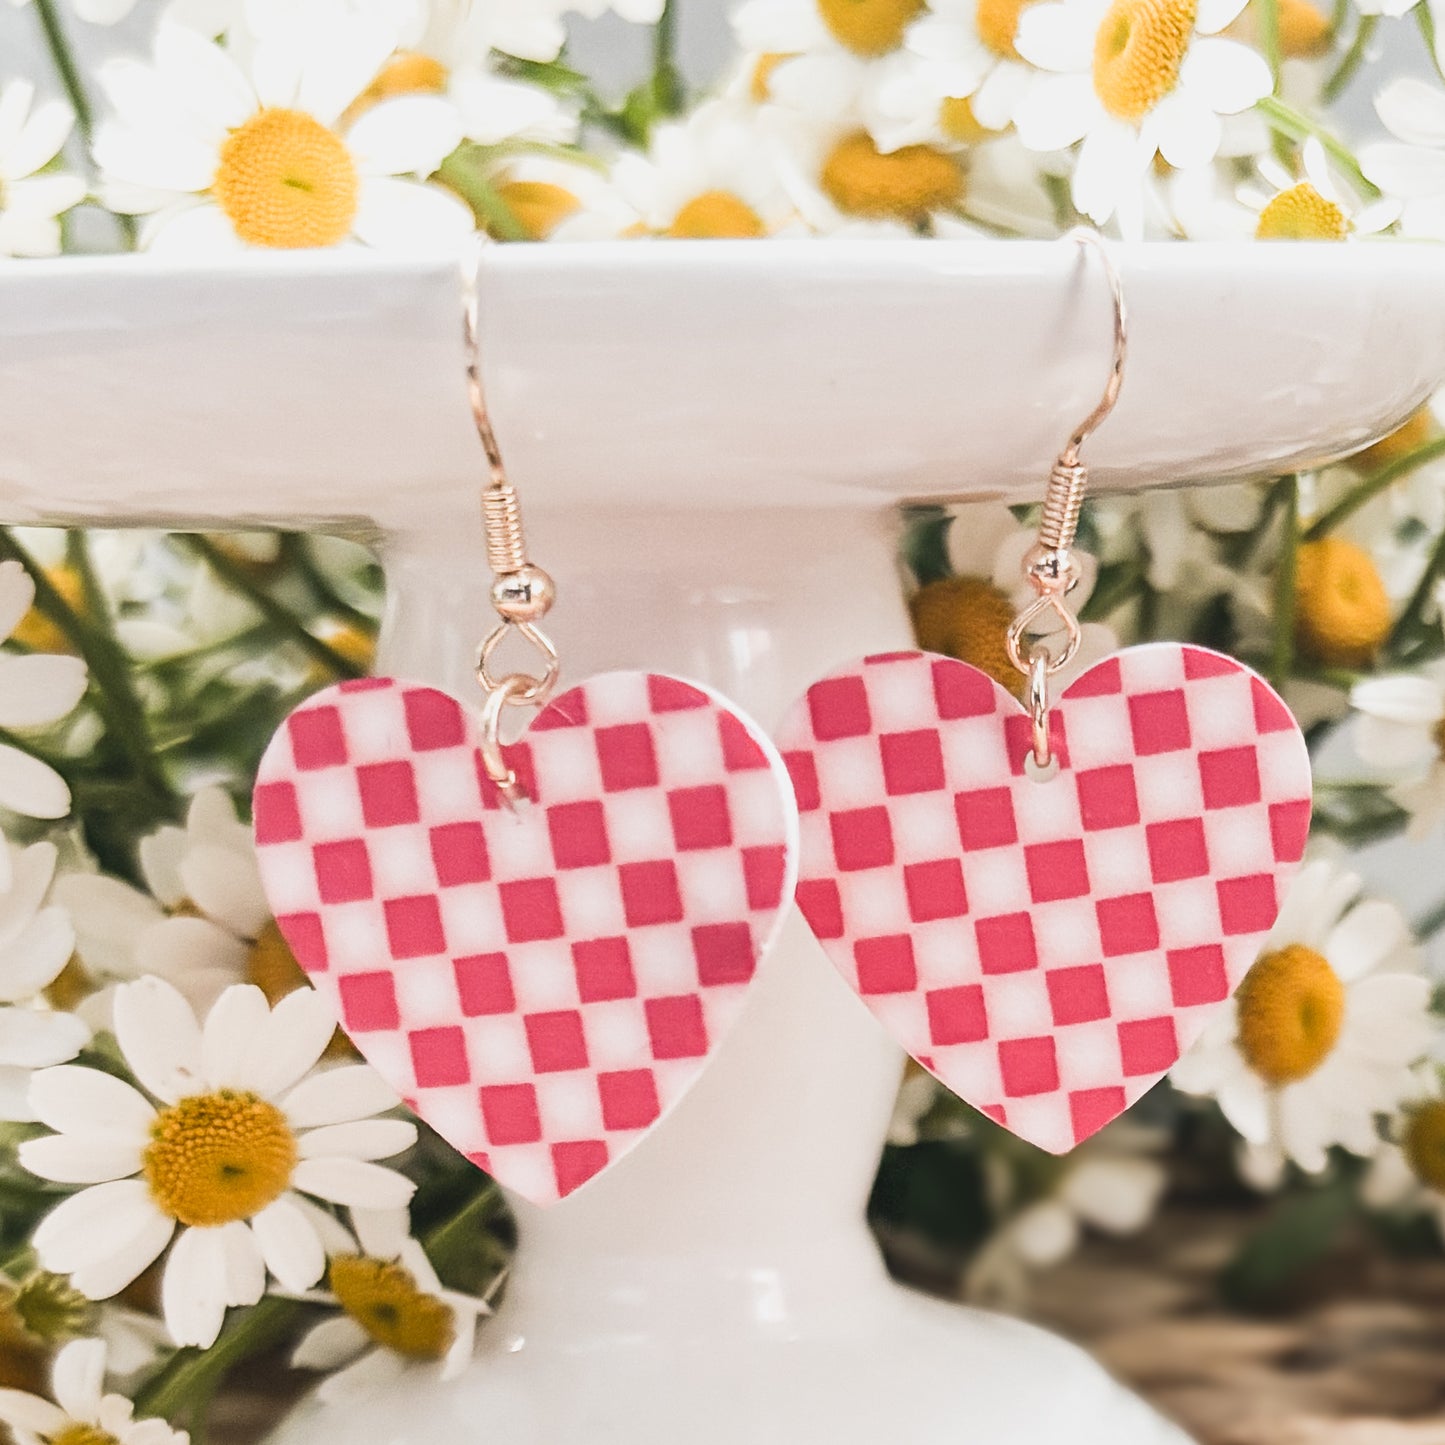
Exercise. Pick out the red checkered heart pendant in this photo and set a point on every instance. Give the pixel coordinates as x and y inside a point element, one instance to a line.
<point>1047,948</point>
<point>539,985</point>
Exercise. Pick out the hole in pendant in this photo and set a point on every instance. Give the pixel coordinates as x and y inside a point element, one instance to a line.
<point>1038,774</point>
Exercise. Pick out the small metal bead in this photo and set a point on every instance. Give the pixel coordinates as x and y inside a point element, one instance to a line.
<point>525,595</point>
<point>1052,569</point>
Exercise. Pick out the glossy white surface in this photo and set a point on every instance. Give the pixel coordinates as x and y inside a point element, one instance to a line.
<point>327,388</point>
<point>719,1287</point>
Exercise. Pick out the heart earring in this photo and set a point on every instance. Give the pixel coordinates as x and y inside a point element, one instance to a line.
<point>537,944</point>
<point>1044,904</point>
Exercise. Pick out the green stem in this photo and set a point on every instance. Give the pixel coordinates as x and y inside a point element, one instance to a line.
<point>94,639</point>
<point>1292,123</point>
<point>295,552</point>
<point>1372,486</point>
<point>462,171</point>
<point>1282,649</point>
<point>1352,59</point>
<point>1429,924</point>
<point>1268,16</point>
<point>1408,623</point>
<point>666,78</point>
<point>443,1243</point>
<point>65,67</point>
<point>236,579</point>
<point>1425,19</point>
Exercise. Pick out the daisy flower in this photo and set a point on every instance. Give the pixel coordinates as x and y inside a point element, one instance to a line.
<point>36,689</point>
<point>221,149</point>
<point>203,923</point>
<point>36,941</point>
<point>1314,207</point>
<point>707,177</point>
<point>83,1414</point>
<point>1412,166</point>
<point>1132,79</point>
<point>394,1313</point>
<point>1325,1029</point>
<point>1400,727</point>
<point>968,615</point>
<point>1408,1174</point>
<point>33,196</point>
<point>966,79</point>
<point>239,1132</point>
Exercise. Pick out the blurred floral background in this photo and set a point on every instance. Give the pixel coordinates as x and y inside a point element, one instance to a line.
<point>1259,1245</point>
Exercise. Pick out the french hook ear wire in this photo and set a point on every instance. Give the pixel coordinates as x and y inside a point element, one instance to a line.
<point>1050,565</point>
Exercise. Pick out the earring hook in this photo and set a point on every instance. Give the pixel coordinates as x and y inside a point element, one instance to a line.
<point>1050,565</point>
<point>1091,240</point>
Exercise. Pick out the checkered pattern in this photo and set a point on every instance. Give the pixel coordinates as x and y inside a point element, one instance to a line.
<point>540,986</point>
<point>1047,948</point>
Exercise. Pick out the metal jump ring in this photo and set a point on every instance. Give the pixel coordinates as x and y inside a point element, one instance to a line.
<point>489,743</point>
<point>1018,631</point>
<point>533,691</point>
<point>1039,670</point>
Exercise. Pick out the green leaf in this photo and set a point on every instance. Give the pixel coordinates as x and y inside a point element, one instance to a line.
<point>1300,1230</point>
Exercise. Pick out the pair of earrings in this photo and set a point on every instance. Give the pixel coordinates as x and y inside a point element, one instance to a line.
<point>540,944</point>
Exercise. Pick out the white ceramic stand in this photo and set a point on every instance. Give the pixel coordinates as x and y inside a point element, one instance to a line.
<point>706,439</point>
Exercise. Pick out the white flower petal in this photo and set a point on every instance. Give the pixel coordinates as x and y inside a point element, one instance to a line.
<point>160,863</point>
<point>17,589</point>
<point>381,1232</point>
<point>1404,170</point>
<point>159,1037</point>
<point>103,1237</point>
<point>194,1286</point>
<point>410,135</point>
<point>1057,36</point>
<point>293,1039</point>
<point>38,688</point>
<point>1186,130</point>
<point>1227,76</point>
<point>1413,111</point>
<point>330,1345</point>
<point>30,787</point>
<point>1055,111</point>
<point>77,1379</point>
<point>103,12</point>
<point>338,1095</point>
<point>179,949</point>
<point>364,1139</point>
<point>225,885</point>
<point>353,1182</point>
<point>411,217</point>
<point>36,958</point>
<point>77,1100</point>
<point>1387,1018</point>
<point>88,1158</point>
<point>39,142</point>
<point>40,198</point>
<point>377,1370</point>
<point>1213,15</point>
<point>162,160</point>
<point>290,1244</point>
<point>207,84</point>
<point>245,1265</point>
<point>35,1039</point>
<point>233,1034</point>
<point>1365,937</point>
<point>29,1412</point>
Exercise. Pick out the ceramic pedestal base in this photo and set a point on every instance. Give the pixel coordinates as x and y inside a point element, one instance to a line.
<point>719,1286</point>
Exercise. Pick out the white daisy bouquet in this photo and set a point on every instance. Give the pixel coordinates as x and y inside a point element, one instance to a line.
<point>194,1168</point>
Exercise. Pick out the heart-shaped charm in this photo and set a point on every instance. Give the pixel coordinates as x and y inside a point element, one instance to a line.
<point>539,985</point>
<point>1047,948</point>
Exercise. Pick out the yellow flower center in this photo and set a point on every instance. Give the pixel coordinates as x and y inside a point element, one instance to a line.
<point>1400,443</point>
<point>958,122</point>
<point>997,22</point>
<point>1138,49</point>
<point>717,215</point>
<point>1304,31</point>
<point>1342,609</point>
<point>78,1434</point>
<point>1301,214</point>
<point>1424,1144</point>
<point>1291,1006</point>
<point>285,180</point>
<point>759,85</point>
<point>967,618</point>
<point>904,185</point>
<point>868,27</point>
<point>272,967</point>
<point>215,1158</point>
<point>406,73</point>
<point>539,206</point>
<point>70,987</point>
<point>386,1302</point>
<point>36,631</point>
